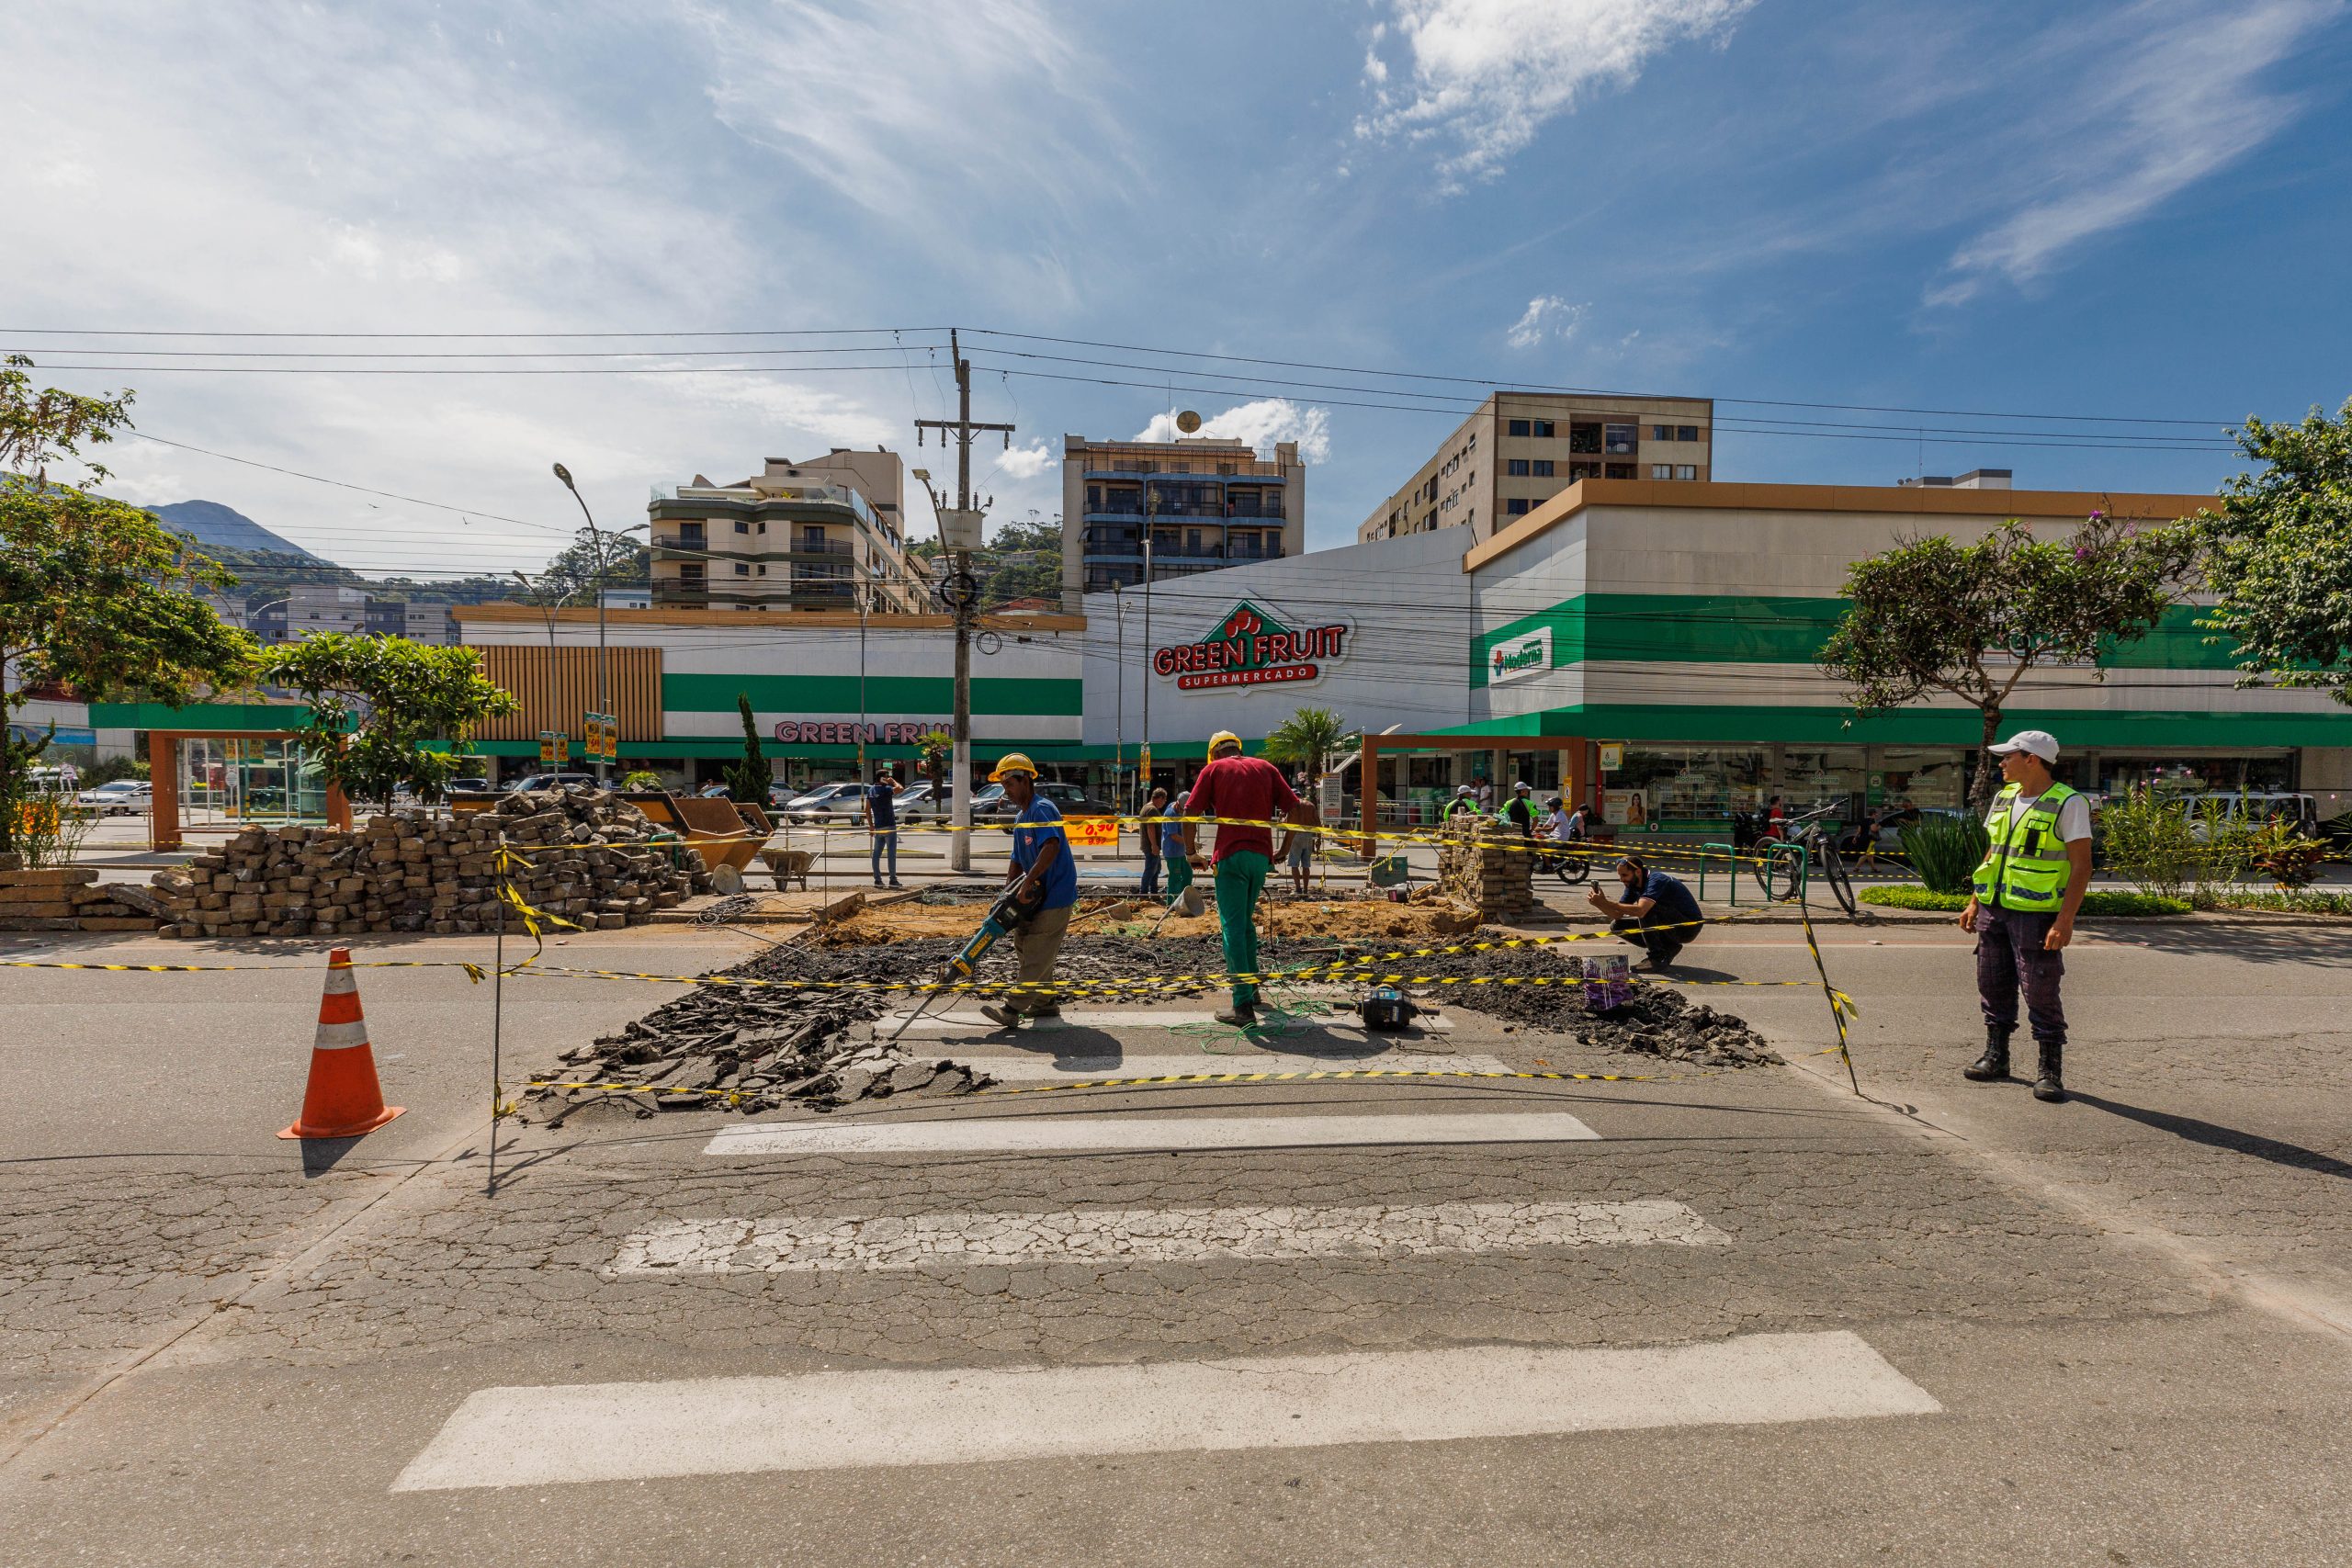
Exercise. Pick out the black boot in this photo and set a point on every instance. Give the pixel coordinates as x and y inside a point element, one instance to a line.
<point>1994,1065</point>
<point>2051,1085</point>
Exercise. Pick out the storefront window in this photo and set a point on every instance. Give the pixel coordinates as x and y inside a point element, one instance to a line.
<point>1906,775</point>
<point>1687,782</point>
<point>2120,773</point>
<point>1820,776</point>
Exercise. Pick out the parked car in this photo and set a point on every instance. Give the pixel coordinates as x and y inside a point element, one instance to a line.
<point>713,792</point>
<point>990,805</point>
<point>925,801</point>
<point>781,796</point>
<point>826,803</point>
<point>550,781</point>
<point>472,783</point>
<point>2295,810</point>
<point>123,797</point>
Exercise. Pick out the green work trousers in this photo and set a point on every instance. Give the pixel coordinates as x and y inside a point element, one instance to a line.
<point>1241,877</point>
<point>1180,877</point>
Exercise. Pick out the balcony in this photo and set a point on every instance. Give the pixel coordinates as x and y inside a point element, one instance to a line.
<point>1271,508</point>
<point>820,547</point>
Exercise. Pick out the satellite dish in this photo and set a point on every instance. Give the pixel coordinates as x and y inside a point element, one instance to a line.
<point>1188,421</point>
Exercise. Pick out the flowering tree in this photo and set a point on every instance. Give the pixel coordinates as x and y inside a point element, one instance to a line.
<point>2279,555</point>
<point>1970,619</point>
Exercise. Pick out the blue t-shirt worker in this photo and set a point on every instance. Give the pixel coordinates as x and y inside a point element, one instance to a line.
<point>1655,912</point>
<point>881,810</point>
<point>1041,867</point>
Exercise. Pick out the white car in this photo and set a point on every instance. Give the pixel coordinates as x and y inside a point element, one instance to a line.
<point>123,797</point>
<point>826,803</point>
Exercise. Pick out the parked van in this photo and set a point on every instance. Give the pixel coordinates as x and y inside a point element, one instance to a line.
<point>2258,805</point>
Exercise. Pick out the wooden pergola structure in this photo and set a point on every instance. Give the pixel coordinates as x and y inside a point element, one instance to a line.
<point>1576,762</point>
<point>163,779</point>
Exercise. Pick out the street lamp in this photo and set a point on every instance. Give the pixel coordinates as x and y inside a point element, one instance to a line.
<point>596,539</point>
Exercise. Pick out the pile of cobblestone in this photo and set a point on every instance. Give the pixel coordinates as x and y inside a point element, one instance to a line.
<point>584,853</point>
<point>1658,1019</point>
<point>69,898</point>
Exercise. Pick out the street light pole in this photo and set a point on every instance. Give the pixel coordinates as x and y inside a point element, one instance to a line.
<point>596,540</point>
<point>1150,502</point>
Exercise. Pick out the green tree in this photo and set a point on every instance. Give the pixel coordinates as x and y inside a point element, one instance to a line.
<point>1308,736</point>
<point>2279,556</point>
<point>1022,560</point>
<point>97,599</point>
<point>36,427</point>
<point>1971,619</point>
<point>748,779</point>
<point>938,748</point>
<point>376,702</point>
<point>571,575</point>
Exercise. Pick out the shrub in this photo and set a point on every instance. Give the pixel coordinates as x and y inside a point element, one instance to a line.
<point>2289,858</point>
<point>640,779</point>
<point>2099,903</point>
<point>1945,852</point>
<point>2285,903</point>
<point>2151,840</point>
<point>106,770</point>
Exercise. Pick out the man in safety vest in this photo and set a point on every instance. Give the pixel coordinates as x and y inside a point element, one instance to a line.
<point>2027,890</point>
<point>1464,804</point>
<point>1249,790</point>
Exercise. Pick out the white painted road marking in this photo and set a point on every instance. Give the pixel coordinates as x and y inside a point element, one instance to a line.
<point>1023,1134</point>
<point>588,1432</point>
<point>1032,1067</point>
<point>791,1244</point>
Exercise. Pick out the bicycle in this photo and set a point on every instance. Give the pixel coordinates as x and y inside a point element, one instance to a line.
<point>1570,860</point>
<point>1807,849</point>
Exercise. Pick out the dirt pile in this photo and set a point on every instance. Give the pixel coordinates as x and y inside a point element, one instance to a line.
<point>588,856</point>
<point>1658,1021</point>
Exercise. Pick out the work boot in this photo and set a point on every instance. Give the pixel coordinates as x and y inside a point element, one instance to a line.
<point>1002,1017</point>
<point>1994,1065</point>
<point>1239,1017</point>
<point>2050,1086</point>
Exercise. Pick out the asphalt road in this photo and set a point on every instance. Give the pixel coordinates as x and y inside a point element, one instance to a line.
<point>1734,1316</point>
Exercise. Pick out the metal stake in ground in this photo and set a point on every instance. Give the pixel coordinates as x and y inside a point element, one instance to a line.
<point>1837,1009</point>
<point>497,1004</point>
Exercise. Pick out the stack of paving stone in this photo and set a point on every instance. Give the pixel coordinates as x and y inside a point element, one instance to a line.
<point>1490,867</point>
<point>67,898</point>
<point>588,852</point>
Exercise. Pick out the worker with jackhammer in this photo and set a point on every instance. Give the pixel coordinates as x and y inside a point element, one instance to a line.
<point>1247,791</point>
<point>2029,888</point>
<point>1041,863</point>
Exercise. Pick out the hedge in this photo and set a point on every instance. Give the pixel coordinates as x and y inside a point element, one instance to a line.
<point>1903,896</point>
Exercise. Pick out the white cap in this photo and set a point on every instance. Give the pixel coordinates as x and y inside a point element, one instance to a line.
<point>1522,784</point>
<point>2040,742</point>
<point>1461,789</point>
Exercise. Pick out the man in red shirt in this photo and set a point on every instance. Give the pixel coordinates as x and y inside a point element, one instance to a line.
<point>1246,791</point>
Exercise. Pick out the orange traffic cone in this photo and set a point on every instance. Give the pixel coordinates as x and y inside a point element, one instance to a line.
<point>343,1098</point>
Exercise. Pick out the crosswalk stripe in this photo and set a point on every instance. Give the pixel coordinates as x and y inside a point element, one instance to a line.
<point>1027,1134</point>
<point>957,1024</point>
<point>606,1432</point>
<point>1032,1067</point>
<point>792,1244</point>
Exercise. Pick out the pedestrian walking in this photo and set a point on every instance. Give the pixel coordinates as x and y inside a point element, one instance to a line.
<point>1657,913</point>
<point>1173,852</point>
<point>1299,842</point>
<point>1148,818</point>
<point>1247,791</point>
<point>1042,867</point>
<point>2029,888</point>
<point>878,806</point>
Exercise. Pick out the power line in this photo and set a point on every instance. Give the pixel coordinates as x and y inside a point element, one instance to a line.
<point>418,336</point>
<point>339,484</point>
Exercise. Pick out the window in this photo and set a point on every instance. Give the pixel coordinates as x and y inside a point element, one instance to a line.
<point>1584,438</point>
<point>1619,438</point>
<point>1584,471</point>
<point>1619,471</point>
<point>1516,508</point>
<point>741,526</point>
<point>690,571</point>
<point>1686,432</point>
<point>742,570</point>
<point>1543,428</point>
<point>1542,466</point>
<point>1516,427</point>
<point>1661,470</point>
<point>1661,433</point>
<point>1515,468</point>
<point>1686,470</point>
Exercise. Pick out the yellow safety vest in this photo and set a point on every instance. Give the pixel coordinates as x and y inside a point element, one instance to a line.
<point>2027,866</point>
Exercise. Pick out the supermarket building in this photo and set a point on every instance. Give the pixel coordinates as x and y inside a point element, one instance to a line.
<point>1676,623</point>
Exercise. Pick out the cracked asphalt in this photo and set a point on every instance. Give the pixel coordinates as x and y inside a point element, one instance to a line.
<point>2135,1310</point>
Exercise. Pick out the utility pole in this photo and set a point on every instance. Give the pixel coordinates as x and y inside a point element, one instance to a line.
<point>966,598</point>
<point>1150,504</point>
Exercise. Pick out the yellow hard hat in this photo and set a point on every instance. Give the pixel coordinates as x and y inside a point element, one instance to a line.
<point>1220,737</point>
<point>1013,762</point>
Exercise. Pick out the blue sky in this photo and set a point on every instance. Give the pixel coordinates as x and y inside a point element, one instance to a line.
<point>2130,209</point>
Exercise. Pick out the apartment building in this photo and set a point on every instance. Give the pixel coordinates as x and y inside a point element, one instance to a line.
<point>1520,449</point>
<point>797,535</point>
<point>1204,501</point>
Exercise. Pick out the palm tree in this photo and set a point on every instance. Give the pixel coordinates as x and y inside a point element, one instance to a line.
<point>1308,736</point>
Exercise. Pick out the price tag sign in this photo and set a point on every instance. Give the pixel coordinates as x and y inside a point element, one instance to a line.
<point>553,744</point>
<point>1093,832</point>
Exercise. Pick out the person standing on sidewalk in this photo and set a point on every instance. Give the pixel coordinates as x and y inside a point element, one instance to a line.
<point>2027,891</point>
<point>1148,819</point>
<point>1048,880</point>
<point>879,806</point>
<point>1298,842</point>
<point>1246,791</point>
<point>1519,809</point>
<point>1171,847</point>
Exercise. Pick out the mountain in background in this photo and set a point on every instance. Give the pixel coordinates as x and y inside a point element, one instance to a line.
<point>225,527</point>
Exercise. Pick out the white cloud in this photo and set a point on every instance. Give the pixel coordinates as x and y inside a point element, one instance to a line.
<point>1261,423</point>
<point>1546,316</point>
<point>1026,462</point>
<point>1486,74</point>
<point>2167,93</point>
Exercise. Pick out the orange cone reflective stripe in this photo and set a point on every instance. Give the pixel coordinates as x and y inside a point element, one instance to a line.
<point>343,1099</point>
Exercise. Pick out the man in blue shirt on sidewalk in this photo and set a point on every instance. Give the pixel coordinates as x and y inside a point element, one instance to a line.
<point>1048,880</point>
